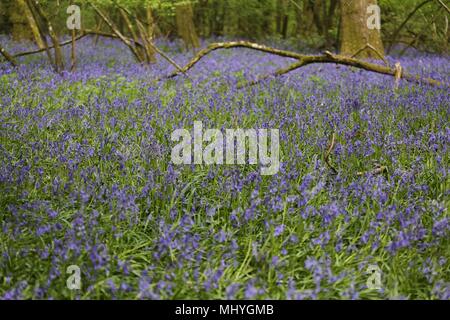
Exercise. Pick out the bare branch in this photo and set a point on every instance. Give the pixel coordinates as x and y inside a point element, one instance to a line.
<point>116,30</point>
<point>411,14</point>
<point>59,62</point>
<point>326,57</point>
<point>235,44</point>
<point>444,5</point>
<point>148,42</point>
<point>277,73</point>
<point>132,32</point>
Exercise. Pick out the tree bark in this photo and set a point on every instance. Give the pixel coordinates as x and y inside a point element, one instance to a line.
<point>116,31</point>
<point>19,29</point>
<point>133,33</point>
<point>185,25</point>
<point>355,33</point>
<point>397,31</point>
<point>59,60</point>
<point>32,23</point>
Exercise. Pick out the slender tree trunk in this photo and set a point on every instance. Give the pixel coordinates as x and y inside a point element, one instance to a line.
<point>32,23</point>
<point>317,8</point>
<point>98,29</point>
<point>41,32</point>
<point>355,33</point>
<point>328,21</point>
<point>116,30</point>
<point>19,22</point>
<point>284,18</point>
<point>133,33</point>
<point>73,49</point>
<point>150,33</point>
<point>185,25</point>
<point>59,60</point>
<point>307,19</point>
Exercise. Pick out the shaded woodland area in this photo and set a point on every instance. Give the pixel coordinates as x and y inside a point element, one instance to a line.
<point>350,28</point>
<point>320,24</point>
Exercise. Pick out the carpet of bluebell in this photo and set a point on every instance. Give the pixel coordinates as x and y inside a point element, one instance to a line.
<point>86,179</point>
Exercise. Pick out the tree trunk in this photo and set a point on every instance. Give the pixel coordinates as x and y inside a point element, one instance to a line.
<point>328,21</point>
<point>185,25</point>
<point>18,21</point>
<point>150,32</point>
<point>355,33</point>
<point>283,18</point>
<point>307,19</point>
<point>133,34</point>
<point>25,9</point>
<point>59,59</point>
<point>317,8</point>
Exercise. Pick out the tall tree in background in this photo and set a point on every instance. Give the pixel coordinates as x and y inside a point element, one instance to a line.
<point>59,58</point>
<point>282,17</point>
<point>26,10</point>
<point>185,25</point>
<point>356,36</point>
<point>20,29</point>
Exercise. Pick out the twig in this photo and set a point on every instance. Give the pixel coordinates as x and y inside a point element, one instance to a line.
<point>116,30</point>
<point>411,14</point>
<point>148,41</point>
<point>327,154</point>
<point>132,32</point>
<point>99,27</point>
<point>277,73</point>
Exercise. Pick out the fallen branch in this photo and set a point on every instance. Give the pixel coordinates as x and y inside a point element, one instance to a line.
<point>277,73</point>
<point>7,56</point>
<point>236,44</point>
<point>303,60</point>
